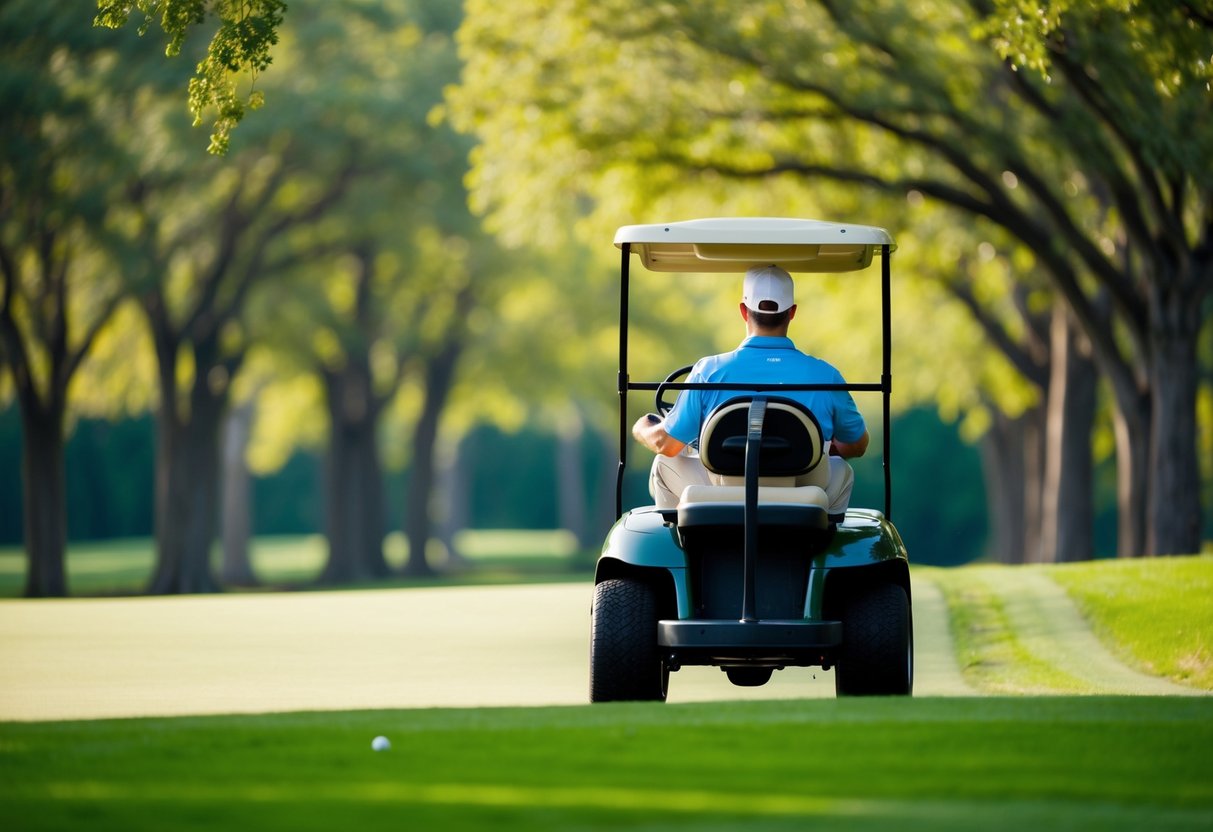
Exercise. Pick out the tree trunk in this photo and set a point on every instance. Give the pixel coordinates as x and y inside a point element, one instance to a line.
<point>1174,518</point>
<point>1131,419</point>
<point>1003,469</point>
<point>44,505</point>
<point>237,566</point>
<point>604,504</point>
<point>454,478</point>
<point>187,467</point>
<point>439,376</point>
<point>353,479</point>
<point>1011,465</point>
<point>1131,423</point>
<point>1033,480</point>
<point>1067,513</point>
<point>570,480</point>
<point>185,510</point>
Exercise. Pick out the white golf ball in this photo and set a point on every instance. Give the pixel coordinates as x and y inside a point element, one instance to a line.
<point>380,744</point>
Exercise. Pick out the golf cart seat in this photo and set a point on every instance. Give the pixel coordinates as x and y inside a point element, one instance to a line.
<point>791,473</point>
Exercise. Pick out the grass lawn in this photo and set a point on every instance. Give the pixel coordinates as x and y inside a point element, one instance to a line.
<point>990,653</point>
<point>494,556</point>
<point>925,764</point>
<point>1157,612</point>
<point>1151,613</point>
<point>989,763</point>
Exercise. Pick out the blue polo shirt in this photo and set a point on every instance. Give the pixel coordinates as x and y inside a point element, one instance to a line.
<point>766,360</point>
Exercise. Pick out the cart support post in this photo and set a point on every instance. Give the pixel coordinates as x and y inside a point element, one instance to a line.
<point>624,264</point>
<point>753,455</point>
<point>886,378</point>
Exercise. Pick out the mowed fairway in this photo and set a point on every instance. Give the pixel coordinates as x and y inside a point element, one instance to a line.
<point>449,647</point>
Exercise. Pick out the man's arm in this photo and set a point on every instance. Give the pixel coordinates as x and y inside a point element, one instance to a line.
<point>848,450</point>
<point>649,431</point>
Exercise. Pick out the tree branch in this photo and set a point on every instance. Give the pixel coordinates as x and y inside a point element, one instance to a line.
<point>76,357</point>
<point>1092,97</point>
<point>1032,367</point>
<point>256,261</point>
<point>15,355</point>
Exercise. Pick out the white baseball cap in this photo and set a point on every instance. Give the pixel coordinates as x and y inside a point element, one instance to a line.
<point>767,283</point>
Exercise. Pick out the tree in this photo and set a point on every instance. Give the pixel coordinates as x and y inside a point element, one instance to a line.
<point>242,243</point>
<point>1139,74</point>
<point>58,283</point>
<point>1101,177</point>
<point>203,234</point>
<point>381,317</point>
<point>245,32</point>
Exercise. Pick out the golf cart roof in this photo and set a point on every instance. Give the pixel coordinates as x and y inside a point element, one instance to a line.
<point>736,244</point>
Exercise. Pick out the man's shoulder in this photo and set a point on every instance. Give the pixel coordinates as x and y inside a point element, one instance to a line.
<point>803,362</point>
<point>819,364</point>
<point>713,363</point>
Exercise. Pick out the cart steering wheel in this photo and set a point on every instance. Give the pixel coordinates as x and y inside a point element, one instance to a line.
<point>664,407</point>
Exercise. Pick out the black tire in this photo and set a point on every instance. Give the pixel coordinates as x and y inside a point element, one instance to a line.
<point>625,664</point>
<point>749,677</point>
<point>877,656</point>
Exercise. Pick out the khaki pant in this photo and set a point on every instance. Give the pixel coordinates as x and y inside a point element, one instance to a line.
<point>671,474</point>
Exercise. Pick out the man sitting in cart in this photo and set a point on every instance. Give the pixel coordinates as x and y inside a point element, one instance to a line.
<point>765,356</point>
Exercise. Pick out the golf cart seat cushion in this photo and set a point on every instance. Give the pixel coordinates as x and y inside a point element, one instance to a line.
<point>713,506</point>
<point>792,441</point>
<point>808,495</point>
<point>818,477</point>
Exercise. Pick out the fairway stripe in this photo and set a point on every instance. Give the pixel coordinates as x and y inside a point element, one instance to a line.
<point>1047,622</point>
<point>1084,814</point>
<point>936,671</point>
<point>472,794</point>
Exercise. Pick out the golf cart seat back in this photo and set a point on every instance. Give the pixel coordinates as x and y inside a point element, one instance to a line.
<point>792,473</point>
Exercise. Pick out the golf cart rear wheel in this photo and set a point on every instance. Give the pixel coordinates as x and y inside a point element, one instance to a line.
<point>877,656</point>
<point>625,664</point>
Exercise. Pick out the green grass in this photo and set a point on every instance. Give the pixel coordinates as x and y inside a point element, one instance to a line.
<point>1156,612</point>
<point>989,763</point>
<point>495,556</point>
<point>932,764</point>
<point>989,651</point>
<point>1153,614</point>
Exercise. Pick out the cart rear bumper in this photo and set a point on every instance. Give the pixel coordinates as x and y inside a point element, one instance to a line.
<point>794,642</point>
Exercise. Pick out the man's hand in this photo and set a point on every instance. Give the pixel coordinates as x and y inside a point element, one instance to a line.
<point>649,431</point>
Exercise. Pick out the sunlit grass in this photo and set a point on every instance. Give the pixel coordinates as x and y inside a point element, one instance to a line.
<point>1015,631</point>
<point>122,567</point>
<point>990,654</point>
<point>1156,612</point>
<point>922,764</point>
<point>481,543</point>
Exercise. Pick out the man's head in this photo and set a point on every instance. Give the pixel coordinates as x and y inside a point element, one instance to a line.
<point>767,299</point>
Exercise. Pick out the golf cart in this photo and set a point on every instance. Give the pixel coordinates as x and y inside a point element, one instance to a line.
<point>750,575</point>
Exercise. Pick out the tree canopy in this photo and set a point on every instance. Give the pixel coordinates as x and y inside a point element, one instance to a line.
<point>1080,131</point>
<point>239,50</point>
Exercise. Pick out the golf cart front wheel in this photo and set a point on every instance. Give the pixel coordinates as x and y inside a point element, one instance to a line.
<point>877,656</point>
<point>625,664</point>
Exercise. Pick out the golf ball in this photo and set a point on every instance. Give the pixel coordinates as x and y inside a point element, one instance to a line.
<point>380,744</point>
